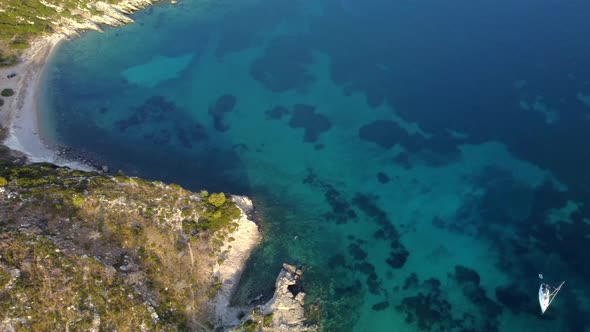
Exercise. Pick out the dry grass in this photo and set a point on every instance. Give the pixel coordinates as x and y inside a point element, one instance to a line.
<point>93,250</point>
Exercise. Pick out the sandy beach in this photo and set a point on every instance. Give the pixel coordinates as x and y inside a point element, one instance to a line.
<point>20,113</point>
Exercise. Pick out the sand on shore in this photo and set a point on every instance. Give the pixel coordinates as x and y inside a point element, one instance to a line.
<point>20,113</point>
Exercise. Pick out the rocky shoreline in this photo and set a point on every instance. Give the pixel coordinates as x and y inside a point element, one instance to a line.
<point>233,257</point>
<point>284,311</point>
<point>287,304</point>
<point>110,15</point>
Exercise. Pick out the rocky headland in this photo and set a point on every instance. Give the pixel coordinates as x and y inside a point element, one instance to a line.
<point>85,251</point>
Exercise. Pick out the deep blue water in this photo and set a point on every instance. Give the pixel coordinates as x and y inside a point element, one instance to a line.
<point>424,160</point>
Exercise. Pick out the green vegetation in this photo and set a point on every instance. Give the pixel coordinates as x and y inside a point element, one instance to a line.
<point>216,200</point>
<point>23,20</point>
<point>267,320</point>
<point>214,289</point>
<point>257,322</point>
<point>249,326</point>
<point>7,92</point>
<point>4,277</point>
<point>77,200</point>
<point>219,213</point>
<point>7,59</point>
<point>54,290</point>
<point>116,247</point>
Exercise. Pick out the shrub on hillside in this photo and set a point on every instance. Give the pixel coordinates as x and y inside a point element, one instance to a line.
<point>7,92</point>
<point>218,214</point>
<point>7,60</point>
<point>216,200</point>
<point>77,200</point>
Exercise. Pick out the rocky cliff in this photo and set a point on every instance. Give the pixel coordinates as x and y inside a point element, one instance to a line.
<point>86,251</point>
<point>23,21</point>
<point>100,13</point>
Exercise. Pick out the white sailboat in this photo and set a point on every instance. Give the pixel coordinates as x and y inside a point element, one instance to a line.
<point>547,293</point>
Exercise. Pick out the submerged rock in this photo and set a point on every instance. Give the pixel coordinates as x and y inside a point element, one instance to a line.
<point>380,306</point>
<point>276,113</point>
<point>387,133</point>
<point>305,116</point>
<point>223,105</point>
<point>464,275</point>
<point>284,65</point>
<point>382,178</point>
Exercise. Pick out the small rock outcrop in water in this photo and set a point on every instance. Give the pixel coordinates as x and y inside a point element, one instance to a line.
<point>284,312</point>
<point>286,306</point>
<point>287,303</point>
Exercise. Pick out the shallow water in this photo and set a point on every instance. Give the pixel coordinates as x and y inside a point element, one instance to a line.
<point>423,160</point>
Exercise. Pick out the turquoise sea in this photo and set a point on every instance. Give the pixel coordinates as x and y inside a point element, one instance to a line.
<point>423,160</point>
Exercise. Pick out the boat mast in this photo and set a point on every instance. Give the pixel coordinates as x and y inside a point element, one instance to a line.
<point>554,293</point>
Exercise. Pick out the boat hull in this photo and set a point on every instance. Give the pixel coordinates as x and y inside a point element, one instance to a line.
<point>544,299</point>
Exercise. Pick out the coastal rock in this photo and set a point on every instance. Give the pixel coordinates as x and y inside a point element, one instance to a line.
<point>284,312</point>
<point>243,203</point>
<point>100,13</point>
<point>130,6</point>
<point>286,306</point>
<point>289,268</point>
